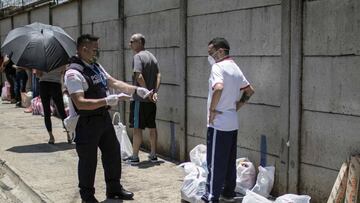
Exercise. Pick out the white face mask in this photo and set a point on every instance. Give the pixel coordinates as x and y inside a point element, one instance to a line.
<point>211,60</point>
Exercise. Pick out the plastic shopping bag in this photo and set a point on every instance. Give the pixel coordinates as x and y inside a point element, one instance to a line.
<point>291,198</point>
<point>198,155</point>
<point>252,197</point>
<point>70,123</point>
<point>245,175</point>
<point>5,92</point>
<point>122,136</point>
<point>264,181</point>
<point>194,186</point>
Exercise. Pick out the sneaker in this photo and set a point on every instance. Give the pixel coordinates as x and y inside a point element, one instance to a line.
<point>132,160</point>
<point>18,104</point>
<point>153,158</point>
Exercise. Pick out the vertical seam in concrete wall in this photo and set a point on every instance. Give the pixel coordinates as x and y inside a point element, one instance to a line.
<point>295,94</point>
<point>285,94</point>
<point>80,16</point>
<point>183,8</point>
<point>121,47</point>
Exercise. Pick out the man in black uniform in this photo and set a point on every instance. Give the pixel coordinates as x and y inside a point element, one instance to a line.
<point>88,85</point>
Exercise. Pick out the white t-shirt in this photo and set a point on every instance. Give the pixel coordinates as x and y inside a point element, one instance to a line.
<point>230,75</point>
<point>75,82</point>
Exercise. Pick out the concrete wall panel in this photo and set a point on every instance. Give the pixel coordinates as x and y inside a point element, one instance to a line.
<point>111,61</point>
<point>5,27</point>
<point>138,7</point>
<point>74,32</point>
<point>21,20</point>
<point>65,15</point>
<point>196,124</point>
<point>329,139</point>
<point>94,11</point>
<point>330,28</point>
<point>198,7</point>
<point>247,31</point>
<point>169,106</point>
<point>160,29</point>
<point>258,120</point>
<point>316,182</point>
<point>331,84</point>
<point>41,14</point>
<point>109,32</point>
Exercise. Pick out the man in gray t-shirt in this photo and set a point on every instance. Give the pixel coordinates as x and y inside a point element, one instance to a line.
<point>143,111</point>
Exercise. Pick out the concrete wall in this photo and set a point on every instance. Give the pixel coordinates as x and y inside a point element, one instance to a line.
<point>302,57</point>
<point>331,86</point>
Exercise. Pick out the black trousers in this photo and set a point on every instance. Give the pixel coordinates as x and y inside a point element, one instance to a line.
<point>93,132</point>
<point>51,90</point>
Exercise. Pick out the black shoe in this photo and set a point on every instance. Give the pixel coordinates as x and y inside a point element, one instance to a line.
<point>132,160</point>
<point>91,200</point>
<point>153,158</point>
<point>123,194</point>
<point>18,104</point>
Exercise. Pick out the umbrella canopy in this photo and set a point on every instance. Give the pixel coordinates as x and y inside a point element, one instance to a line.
<point>40,46</point>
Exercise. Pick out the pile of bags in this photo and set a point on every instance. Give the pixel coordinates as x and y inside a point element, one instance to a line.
<point>256,188</point>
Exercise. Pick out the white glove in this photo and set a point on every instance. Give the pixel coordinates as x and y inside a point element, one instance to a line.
<point>112,100</point>
<point>143,92</point>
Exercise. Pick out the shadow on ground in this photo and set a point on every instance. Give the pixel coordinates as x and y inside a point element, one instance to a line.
<point>42,148</point>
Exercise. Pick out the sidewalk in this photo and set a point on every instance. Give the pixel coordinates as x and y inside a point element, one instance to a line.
<point>49,172</point>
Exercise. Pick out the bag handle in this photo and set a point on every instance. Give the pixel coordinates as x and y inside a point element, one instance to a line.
<point>116,114</point>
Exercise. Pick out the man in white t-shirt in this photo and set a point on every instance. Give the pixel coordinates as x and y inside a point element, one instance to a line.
<point>226,83</point>
<point>88,85</point>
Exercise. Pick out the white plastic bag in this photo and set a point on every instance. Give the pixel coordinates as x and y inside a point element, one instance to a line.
<point>198,155</point>
<point>190,167</point>
<point>123,138</point>
<point>252,197</point>
<point>245,175</point>
<point>264,181</point>
<point>70,123</point>
<point>291,198</point>
<point>194,186</point>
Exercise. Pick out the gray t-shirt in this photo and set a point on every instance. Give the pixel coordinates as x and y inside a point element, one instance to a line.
<point>145,63</point>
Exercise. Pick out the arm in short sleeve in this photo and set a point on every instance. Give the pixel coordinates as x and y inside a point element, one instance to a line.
<point>73,81</point>
<point>137,64</point>
<point>216,75</point>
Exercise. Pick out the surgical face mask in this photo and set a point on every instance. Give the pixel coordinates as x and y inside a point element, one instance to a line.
<point>211,60</point>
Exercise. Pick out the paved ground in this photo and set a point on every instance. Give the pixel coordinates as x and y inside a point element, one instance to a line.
<point>51,170</point>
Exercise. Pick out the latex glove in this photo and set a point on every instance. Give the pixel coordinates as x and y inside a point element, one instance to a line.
<point>143,92</point>
<point>112,100</point>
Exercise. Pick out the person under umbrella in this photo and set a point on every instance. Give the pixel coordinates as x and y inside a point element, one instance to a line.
<point>50,88</point>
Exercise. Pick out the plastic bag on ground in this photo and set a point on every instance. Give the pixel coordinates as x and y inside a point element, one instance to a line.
<point>123,138</point>
<point>198,155</point>
<point>245,175</point>
<point>190,167</point>
<point>291,198</point>
<point>5,92</point>
<point>264,181</point>
<point>194,186</point>
<point>252,197</point>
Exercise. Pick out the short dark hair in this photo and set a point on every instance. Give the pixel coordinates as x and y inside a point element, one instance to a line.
<point>86,38</point>
<point>219,42</point>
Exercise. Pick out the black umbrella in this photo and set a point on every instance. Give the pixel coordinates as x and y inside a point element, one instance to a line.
<point>40,46</point>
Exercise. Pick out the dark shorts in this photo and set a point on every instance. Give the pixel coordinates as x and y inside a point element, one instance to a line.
<point>142,115</point>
